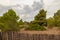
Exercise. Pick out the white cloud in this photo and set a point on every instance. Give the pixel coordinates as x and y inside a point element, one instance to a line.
<point>51,6</point>
<point>27,9</point>
<point>4,2</point>
<point>48,2</point>
<point>15,2</point>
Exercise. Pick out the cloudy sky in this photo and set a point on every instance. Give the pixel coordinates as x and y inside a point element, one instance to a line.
<point>27,9</point>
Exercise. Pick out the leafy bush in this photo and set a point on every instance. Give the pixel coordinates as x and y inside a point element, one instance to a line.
<point>50,22</point>
<point>35,27</point>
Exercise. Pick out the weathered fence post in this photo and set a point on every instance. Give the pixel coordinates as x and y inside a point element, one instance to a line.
<point>0,36</point>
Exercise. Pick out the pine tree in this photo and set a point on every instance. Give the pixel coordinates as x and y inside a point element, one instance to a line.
<point>40,18</point>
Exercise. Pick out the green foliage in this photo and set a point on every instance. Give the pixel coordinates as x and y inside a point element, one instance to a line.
<point>40,18</point>
<point>21,22</point>
<point>39,21</point>
<point>35,27</point>
<point>9,21</point>
<point>57,18</point>
<point>50,22</point>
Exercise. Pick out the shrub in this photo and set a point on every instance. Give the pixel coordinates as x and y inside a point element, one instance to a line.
<point>35,27</point>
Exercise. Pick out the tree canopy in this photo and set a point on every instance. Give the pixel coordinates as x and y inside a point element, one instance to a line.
<point>40,18</point>
<point>39,21</point>
<point>57,18</point>
<point>9,21</point>
<point>50,22</point>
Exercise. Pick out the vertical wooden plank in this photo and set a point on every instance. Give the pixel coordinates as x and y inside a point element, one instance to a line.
<point>0,35</point>
<point>4,36</point>
<point>9,35</point>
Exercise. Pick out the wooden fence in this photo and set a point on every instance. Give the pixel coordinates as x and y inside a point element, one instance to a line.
<point>26,36</point>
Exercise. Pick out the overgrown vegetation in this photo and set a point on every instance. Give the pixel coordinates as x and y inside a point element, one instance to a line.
<point>9,21</point>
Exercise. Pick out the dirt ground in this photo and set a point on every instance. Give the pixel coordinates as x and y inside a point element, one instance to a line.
<point>54,30</point>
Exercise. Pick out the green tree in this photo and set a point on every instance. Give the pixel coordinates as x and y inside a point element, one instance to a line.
<point>9,21</point>
<point>40,18</point>
<point>50,22</point>
<point>39,21</point>
<point>57,18</point>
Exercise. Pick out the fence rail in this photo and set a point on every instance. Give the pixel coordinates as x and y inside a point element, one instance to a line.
<point>26,36</point>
